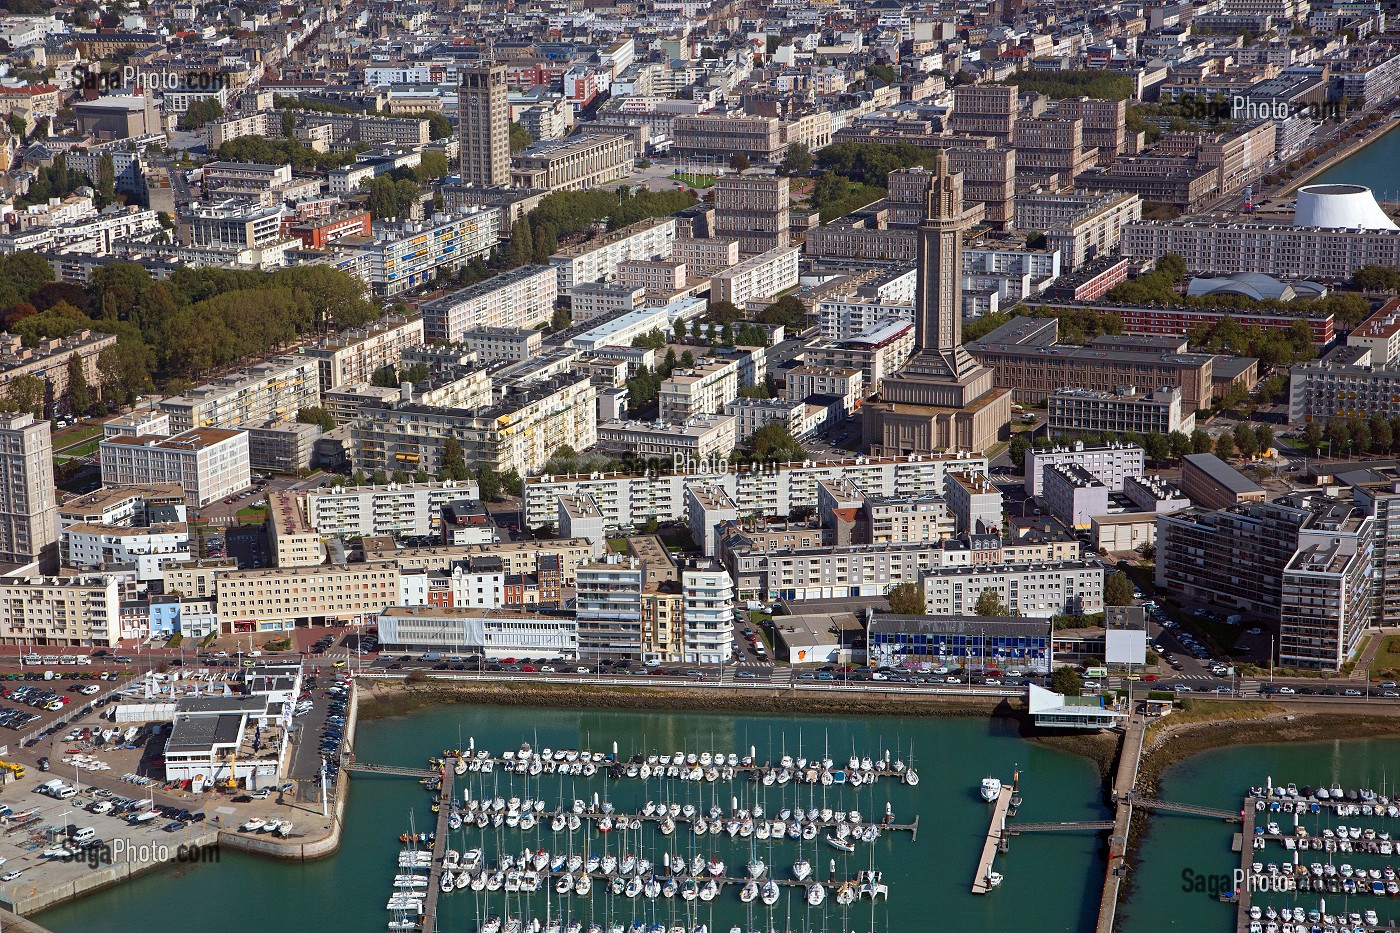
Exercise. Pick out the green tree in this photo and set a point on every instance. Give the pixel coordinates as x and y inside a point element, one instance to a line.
<point>512,483</point>
<point>522,245</point>
<point>652,339</point>
<point>1312,436</point>
<point>1377,278</point>
<point>1201,442</point>
<point>1158,447</point>
<point>489,482</point>
<point>200,112</point>
<point>289,123</point>
<point>797,159</point>
<point>722,312</point>
<point>1016,451</point>
<point>990,604</point>
<point>439,127</point>
<point>773,443</point>
<point>399,476</point>
<point>385,377</point>
<point>907,599</point>
<point>26,393</point>
<point>546,243</point>
<point>679,329</point>
<point>317,415</point>
<point>560,319</point>
<point>1180,444</point>
<point>106,177</point>
<point>1117,589</point>
<point>739,162</point>
<point>80,397</point>
<point>1246,441</point>
<point>1382,438</point>
<point>1225,446</point>
<point>520,138</point>
<point>1067,682</point>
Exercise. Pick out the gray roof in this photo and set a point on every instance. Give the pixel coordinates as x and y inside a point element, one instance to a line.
<point>1010,626</point>
<point>1224,474</point>
<point>202,733</point>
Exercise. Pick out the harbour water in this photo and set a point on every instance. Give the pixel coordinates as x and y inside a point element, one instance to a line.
<point>1052,879</point>
<point>1374,166</point>
<point>1185,860</point>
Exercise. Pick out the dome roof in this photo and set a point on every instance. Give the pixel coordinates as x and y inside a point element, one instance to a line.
<point>1347,207</point>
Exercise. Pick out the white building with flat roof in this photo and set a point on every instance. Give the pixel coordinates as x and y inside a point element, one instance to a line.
<point>700,438</point>
<point>596,260</point>
<point>1110,465</point>
<point>209,463</point>
<point>410,509</point>
<point>521,297</point>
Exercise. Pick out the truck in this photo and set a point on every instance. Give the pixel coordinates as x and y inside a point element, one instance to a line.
<point>16,771</point>
<point>1094,672</point>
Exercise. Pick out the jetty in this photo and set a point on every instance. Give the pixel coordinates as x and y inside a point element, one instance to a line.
<point>636,820</point>
<point>996,839</point>
<point>439,850</point>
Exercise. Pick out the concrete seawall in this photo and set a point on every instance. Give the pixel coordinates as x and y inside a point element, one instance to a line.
<point>32,899</point>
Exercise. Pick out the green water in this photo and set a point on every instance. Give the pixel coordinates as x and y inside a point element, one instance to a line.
<point>1178,849</point>
<point>1052,879</point>
<point>1373,166</point>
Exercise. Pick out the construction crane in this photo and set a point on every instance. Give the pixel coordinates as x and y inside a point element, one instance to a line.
<point>232,782</point>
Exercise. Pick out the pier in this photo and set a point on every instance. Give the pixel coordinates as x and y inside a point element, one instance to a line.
<point>364,767</point>
<point>996,838</point>
<point>1246,857</point>
<point>623,821</point>
<point>1015,829</point>
<point>439,850</point>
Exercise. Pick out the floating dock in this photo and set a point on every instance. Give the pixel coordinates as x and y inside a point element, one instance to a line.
<point>429,924</point>
<point>996,837</point>
<point>626,821</point>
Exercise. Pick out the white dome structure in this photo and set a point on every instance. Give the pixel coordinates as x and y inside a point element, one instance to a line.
<point>1340,207</point>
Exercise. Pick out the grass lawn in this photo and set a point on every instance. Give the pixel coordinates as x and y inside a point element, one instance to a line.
<point>677,539</point>
<point>76,434</point>
<point>255,514</point>
<point>695,179</point>
<point>1388,656</point>
<point>617,545</point>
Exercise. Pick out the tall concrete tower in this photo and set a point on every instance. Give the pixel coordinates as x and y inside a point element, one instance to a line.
<point>938,304</point>
<point>483,124</point>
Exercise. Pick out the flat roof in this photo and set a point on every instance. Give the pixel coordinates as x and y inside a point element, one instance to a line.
<point>1222,473</point>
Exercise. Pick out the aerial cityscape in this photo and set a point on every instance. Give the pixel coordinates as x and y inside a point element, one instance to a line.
<point>676,466</point>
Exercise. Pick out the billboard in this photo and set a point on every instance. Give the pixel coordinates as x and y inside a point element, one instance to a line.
<point>1125,646</point>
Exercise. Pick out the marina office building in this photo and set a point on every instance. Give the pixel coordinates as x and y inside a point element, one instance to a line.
<point>493,633</point>
<point>978,641</point>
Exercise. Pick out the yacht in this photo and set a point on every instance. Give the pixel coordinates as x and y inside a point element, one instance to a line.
<point>991,789</point>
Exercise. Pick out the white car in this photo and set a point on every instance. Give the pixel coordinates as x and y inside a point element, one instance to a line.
<point>9,876</point>
<point>1287,690</point>
<point>1092,685</point>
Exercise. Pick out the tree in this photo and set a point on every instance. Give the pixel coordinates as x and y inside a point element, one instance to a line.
<point>512,483</point>
<point>739,162</point>
<point>289,123</point>
<point>1264,437</point>
<point>797,159</point>
<point>1158,447</point>
<point>200,112</point>
<point>1225,446</point>
<point>1067,682</point>
<point>787,311</point>
<point>80,397</point>
<point>1382,438</point>
<point>452,465</point>
<point>774,444</point>
<point>1338,435</point>
<point>439,127</point>
<point>722,312</point>
<point>522,244</point>
<point>1180,444</point>
<point>489,482</point>
<point>520,138</point>
<point>1016,451</point>
<point>546,243</point>
<point>652,339</point>
<point>1312,436</point>
<point>317,415</point>
<point>1201,442</point>
<point>399,476</point>
<point>106,177</point>
<point>560,319</point>
<point>1246,441</point>
<point>679,329</point>
<point>385,377</point>
<point>907,599</point>
<point>26,393</point>
<point>1117,589</point>
<point>990,604</point>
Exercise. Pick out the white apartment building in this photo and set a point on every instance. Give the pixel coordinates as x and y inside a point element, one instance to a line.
<point>275,600</point>
<point>272,391</point>
<point>708,613</point>
<point>521,297</point>
<point>353,355</point>
<point>596,260</point>
<point>111,547</point>
<point>408,509</point>
<point>1274,249</point>
<point>1081,225</point>
<point>493,634</point>
<point>603,299</point>
<point>848,385</point>
<point>78,611</point>
<point>974,500</point>
<point>761,278</point>
<point>1109,465</point>
<point>1033,590</point>
<point>750,414</point>
<point>631,500</point>
<point>403,258</point>
<point>503,343</point>
<point>209,463</point>
<point>609,608</point>
<point>706,257</point>
<point>28,503</point>
<point>847,316</point>
<point>699,438</point>
<point>705,389</point>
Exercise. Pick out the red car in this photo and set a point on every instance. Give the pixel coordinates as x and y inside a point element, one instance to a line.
<point>507,660</point>
<point>527,669</point>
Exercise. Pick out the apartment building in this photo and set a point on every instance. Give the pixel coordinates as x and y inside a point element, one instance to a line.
<point>1326,601</point>
<point>1081,225</point>
<point>144,550</point>
<point>209,463</point>
<point>845,316</point>
<point>608,608</point>
<point>1163,180</point>
<point>629,500</point>
<point>752,209</point>
<point>706,257</point>
<point>1073,495</point>
<point>354,354</point>
<point>1273,249</point>
<point>559,558</point>
<point>984,110</point>
<point>272,391</point>
<point>654,277</point>
<point>276,600</point>
<point>50,359</point>
<point>605,299</point>
<point>724,135</point>
<point>1124,409</point>
<point>699,438</point>
<point>760,278</point>
<point>407,509</point>
<point>519,432</point>
<point>708,613</point>
<point>294,542</point>
<point>1104,123</point>
<point>123,506</point>
<point>1037,590</point>
<point>409,255</point>
<point>491,344</point>
<point>521,297</point>
<point>1046,147</point>
<point>1211,483</point>
<point>846,386</point>
<point>80,611</point>
<point>577,163</point>
<point>1110,465</point>
<point>704,389</point>
<point>28,503</point>
<point>877,351</point>
<point>1026,359</point>
<point>596,260</point>
<point>493,633</point>
<point>750,414</point>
